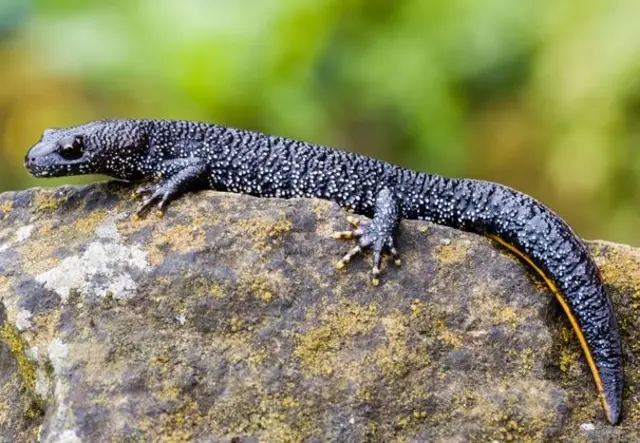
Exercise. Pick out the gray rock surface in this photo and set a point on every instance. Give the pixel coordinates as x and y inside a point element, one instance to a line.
<point>225,320</point>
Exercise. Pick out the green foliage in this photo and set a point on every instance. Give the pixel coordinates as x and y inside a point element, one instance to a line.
<point>539,95</point>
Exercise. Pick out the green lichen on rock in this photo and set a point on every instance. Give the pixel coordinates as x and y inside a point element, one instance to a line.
<point>265,230</point>
<point>5,209</point>
<point>225,319</point>
<point>449,252</point>
<point>18,417</point>
<point>321,347</point>
<point>27,369</point>
<point>46,201</point>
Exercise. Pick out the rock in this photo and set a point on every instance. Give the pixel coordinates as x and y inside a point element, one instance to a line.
<point>225,320</point>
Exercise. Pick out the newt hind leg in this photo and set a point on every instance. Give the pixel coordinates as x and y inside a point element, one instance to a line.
<point>377,235</point>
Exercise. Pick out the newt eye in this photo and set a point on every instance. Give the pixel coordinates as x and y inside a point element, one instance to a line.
<point>72,149</point>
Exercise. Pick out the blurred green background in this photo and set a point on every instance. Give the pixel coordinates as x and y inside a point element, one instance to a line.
<point>541,95</point>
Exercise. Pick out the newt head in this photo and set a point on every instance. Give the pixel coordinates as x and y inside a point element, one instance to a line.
<point>116,148</point>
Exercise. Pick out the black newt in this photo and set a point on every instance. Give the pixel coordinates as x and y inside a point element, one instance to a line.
<point>187,156</point>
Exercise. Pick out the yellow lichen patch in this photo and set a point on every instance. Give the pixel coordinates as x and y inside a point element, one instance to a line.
<point>569,361</point>
<point>268,416</point>
<point>46,230</point>
<point>289,402</point>
<point>569,354</point>
<point>130,225</point>
<point>412,419</point>
<point>451,338</point>
<point>242,349</point>
<point>38,257</point>
<point>178,424</point>
<point>395,357</point>
<point>4,285</point>
<point>154,256</point>
<point>277,423</point>
<point>265,230</point>
<point>633,412</point>
<point>179,239</point>
<point>82,226</point>
<point>621,267</point>
<point>163,281</point>
<point>508,429</point>
<point>199,214</point>
<point>321,207</point>
<point>85,225</point>
<point>488,307</point>
<point>201,287</point>
<point>182,238</point>
<point>527,358</point>
<point>235,323</point>
<point>260,286</point>
<point>506,316</point>
<point>46,201</point>
<point>5,209</point>
<point>216,290</point>
<point>316,350</point>
<point>161,357</point>
<point>417,308</point>
<point>326,223</point>
<point>225,200</point>
<point>256,357</point>
<point>275,427</point>
<point>363,394</point>
<point>320,348</point>
<point>423,312</point>
<point>46,323</point>
<point>504,420</point>
<point>27,370</point>
<point>454,252</point>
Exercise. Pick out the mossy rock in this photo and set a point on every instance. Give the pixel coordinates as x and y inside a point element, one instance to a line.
<point>226,320</point>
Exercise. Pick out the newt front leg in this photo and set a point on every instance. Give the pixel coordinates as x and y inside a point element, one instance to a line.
<point>177,177</point>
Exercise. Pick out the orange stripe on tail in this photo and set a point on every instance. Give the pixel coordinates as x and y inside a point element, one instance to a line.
<point>572,319</point>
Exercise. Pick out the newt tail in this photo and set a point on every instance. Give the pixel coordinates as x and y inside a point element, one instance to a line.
<point>187,156</point>
<point>609,396</point>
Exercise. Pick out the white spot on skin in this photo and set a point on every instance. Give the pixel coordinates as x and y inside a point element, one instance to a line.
<point>58,352</point>
<point>109,262</point>
<point>23,320</point>
<point>69,436</point>
<point>23,233</point>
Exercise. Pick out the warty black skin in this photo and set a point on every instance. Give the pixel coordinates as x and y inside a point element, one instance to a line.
<point>188,156</point>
